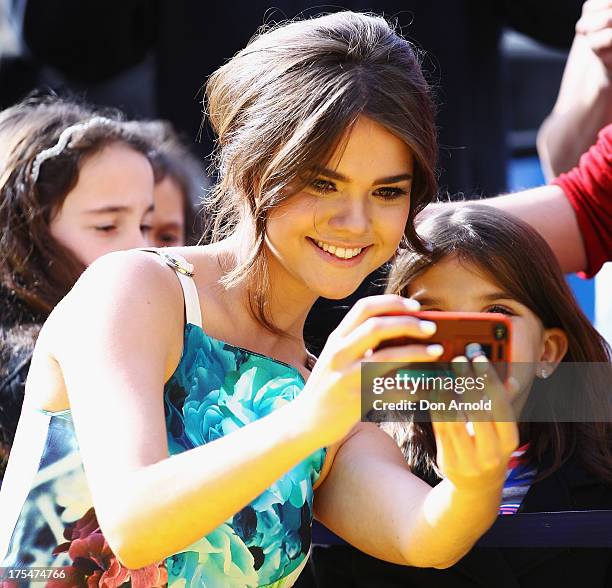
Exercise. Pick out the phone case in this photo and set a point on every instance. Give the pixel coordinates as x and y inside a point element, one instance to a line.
<point>466,333</point>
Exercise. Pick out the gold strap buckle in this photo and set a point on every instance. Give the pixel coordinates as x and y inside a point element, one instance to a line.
<point>184,268</point>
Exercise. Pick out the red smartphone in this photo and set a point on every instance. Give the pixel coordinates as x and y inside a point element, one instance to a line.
<point>457,332</point>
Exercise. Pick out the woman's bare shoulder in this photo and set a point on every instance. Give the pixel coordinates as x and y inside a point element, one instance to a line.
<point>119,294</point>
<point>123,286</point>
<point>207,260</point>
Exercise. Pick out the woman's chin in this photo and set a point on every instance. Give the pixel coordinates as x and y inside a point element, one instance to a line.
<point>337,292</point>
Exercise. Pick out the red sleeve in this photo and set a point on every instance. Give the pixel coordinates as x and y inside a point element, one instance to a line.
<point>588,188</point>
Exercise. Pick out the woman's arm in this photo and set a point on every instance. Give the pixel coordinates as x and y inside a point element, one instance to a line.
<point>117,338</point>
<point>573,213</point>
<point>372,500</point>
<point>547,210</point>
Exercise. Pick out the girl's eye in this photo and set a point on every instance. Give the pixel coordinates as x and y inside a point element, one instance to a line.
<point>106,228</point>
<point>144,229</point>
<point>501,309</point>
<point>390,193</point>
<point>323,186</point>
<point>168,239</point>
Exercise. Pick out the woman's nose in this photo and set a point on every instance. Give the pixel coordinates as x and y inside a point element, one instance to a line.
<point>352,216</point>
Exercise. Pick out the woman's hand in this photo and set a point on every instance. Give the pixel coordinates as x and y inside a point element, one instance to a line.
<point>331,400</point>
<point>473,453</point>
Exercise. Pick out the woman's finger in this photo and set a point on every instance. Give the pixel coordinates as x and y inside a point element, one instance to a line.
<point>464,447</point>
<point>385,304</point>
<point>487,443</point>
<point>374,331</point>
<point>501,409</point>
<point>446,457</point>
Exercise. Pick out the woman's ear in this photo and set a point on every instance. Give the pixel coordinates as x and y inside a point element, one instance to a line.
<point>553,351</point>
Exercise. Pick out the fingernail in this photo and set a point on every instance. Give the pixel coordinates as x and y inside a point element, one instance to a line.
<point>427,327</point>
<point>473,350</point>
<point>411,304</point>
<point>434,349</point>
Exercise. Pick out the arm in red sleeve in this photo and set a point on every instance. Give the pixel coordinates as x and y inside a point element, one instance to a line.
<point>588,188</point>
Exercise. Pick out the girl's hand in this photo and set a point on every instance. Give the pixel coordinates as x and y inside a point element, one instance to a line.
<point>477,460</point>
<point>331,400</point>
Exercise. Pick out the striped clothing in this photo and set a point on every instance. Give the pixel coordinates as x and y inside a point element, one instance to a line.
<point>519,478</point>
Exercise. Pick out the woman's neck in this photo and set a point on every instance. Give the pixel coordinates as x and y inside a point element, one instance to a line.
<point>287,302</point>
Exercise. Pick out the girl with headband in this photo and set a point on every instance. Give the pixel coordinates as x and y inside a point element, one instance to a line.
<point>74,185</point>
<point>177,430</point>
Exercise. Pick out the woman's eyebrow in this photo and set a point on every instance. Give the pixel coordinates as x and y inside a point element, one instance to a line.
<point>334,175</point>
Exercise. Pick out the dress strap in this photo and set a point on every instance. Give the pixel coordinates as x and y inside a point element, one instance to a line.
<point>184,273</point>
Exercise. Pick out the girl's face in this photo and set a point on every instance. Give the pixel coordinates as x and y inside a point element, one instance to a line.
<point>450,285</point>
<point>110,206</point>
<point>168,219</point>
<point>327,238</point>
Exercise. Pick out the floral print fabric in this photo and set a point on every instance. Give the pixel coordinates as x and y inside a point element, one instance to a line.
<point>216,389</point>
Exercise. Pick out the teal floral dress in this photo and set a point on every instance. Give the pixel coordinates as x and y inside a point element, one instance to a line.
<point>216,389</point>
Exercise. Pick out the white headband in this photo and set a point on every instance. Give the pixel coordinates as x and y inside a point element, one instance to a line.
<point>64,140</point>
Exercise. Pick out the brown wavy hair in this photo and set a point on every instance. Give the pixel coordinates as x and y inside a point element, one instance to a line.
<point>517,258</point>
<point>280,107</point>
<point>34,268</point>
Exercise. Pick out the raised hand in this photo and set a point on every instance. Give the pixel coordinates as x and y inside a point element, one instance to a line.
<point>332,395</point>
<point>595,26</point>
<point>473,452</point>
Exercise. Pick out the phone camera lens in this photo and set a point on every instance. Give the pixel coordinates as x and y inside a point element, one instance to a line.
<point>499,332</point>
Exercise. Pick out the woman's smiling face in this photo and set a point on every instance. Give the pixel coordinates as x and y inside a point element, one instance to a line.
<point>329,237</point>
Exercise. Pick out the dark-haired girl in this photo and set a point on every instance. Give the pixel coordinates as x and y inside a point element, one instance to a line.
<point>483,260</point>
<point>74,184</point>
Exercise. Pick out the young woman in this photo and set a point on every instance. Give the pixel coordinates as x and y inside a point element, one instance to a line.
<point>203,424</point>
<point>482,260</point>
<point>74,185</point>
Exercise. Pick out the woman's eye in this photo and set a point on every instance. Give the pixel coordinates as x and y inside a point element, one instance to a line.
<point>501,310</point>
<point>390,193</point>
<point>322,186</point>
<point>106,228</point>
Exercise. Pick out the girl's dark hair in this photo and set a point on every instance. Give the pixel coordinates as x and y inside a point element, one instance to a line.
<point>176,161</point>
<point>36,271</point>
<point>518,259</point>
<point>34,268</point>
<point>283,104</point>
